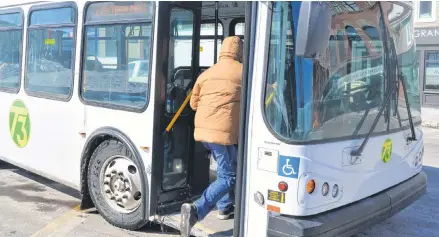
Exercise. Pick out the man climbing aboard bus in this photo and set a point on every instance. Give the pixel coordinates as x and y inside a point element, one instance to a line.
<point>216,99</point>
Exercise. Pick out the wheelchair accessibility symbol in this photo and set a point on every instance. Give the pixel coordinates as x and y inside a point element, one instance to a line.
<point>288,167</point>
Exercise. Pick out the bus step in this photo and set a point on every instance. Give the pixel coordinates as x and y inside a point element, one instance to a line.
<point>209,227</point>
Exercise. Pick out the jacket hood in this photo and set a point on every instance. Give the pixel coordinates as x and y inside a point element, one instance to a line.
<point>232,49</point>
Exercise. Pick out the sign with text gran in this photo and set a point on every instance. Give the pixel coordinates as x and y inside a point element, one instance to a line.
<point>428,35</point>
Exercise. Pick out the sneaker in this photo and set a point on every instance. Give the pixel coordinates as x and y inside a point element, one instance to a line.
<point>188,219</point>
<point>226,214</point>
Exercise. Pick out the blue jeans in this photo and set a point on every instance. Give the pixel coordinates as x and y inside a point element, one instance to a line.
<point>220,192</point>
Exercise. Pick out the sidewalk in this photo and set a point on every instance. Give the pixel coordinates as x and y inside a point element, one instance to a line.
<point>430,117</point>
<point>430,124</point>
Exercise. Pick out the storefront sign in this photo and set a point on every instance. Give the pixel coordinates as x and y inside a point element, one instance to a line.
<point>427,35</point>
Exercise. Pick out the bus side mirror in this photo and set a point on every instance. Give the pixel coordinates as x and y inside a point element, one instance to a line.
<point>313,28</point>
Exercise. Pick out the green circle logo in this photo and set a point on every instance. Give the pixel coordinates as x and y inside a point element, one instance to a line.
<point>386,152</point>
<point>19,123</point>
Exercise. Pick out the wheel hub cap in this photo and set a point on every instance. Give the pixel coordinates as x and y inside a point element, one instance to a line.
<point>120,184</point>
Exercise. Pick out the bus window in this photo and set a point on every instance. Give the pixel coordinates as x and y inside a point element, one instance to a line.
<point>179,58</point>
<point>342,100</point>
<point>240,29</point>
<point>10,51</point>
<point>116,58</point>
<point>405,50</point>
<point>64,15</point>
<point>207,43</point>
<point>237,27</point>
<point>358,49</point>
<point>279,107</point>
<point>181,39</point>
<point>50,52</point>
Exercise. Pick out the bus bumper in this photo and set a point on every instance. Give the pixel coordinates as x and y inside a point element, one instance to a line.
<point>353,218</point>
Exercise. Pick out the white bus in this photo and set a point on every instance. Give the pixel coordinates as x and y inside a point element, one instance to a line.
<point>330,139</point>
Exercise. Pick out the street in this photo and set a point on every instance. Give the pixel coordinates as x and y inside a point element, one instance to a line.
<point>32,206</point>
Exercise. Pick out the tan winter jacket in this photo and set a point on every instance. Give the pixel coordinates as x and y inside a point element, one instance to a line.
<point>216,97</point>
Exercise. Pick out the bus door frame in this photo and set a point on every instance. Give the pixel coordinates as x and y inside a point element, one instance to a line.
<point>241,197</point>
<point>165,202</point>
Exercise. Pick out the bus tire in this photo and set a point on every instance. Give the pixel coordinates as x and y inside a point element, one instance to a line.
<point>116,195</point>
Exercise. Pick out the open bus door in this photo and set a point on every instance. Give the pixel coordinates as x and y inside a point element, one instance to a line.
<point>174,178</point>
<point>181,166</point>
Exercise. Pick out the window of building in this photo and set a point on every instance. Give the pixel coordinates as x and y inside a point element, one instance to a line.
<point>341,46</point>
<point>431,80</point>
<point>11,29</point>
<point>425,11</point>
<point>350,6</point>
<point>333,50</point>
<point>50,53</point>
<point>336,9</point>
<point>116,57</point>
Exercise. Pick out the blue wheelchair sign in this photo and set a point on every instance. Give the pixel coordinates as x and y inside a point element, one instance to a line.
<point>288,167</point>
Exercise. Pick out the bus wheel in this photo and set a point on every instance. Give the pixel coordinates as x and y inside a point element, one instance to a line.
<point>115,185</point>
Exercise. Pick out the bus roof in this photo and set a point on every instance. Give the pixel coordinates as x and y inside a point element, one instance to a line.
<point>17,3</point>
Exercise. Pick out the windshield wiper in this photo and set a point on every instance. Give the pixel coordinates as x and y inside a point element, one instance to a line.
<point>409,112</point>
<point>360,149</point>
<point>401,78</point>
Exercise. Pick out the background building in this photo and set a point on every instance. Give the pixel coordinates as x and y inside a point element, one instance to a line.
<point>426,18</point>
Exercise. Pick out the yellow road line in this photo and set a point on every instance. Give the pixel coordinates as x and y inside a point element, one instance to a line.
<point>57,223</point>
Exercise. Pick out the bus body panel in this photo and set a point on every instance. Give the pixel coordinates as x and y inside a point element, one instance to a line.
<point>56,139</point>
<point>329,161</point>
<point>136,126</point>
<point>254,224</point>
<point>354,182</point>
<point>53,144</point>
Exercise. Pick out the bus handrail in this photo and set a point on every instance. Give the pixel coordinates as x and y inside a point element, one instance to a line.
<point>179,111</point>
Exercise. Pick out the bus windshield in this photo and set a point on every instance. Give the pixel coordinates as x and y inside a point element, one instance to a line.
<point>338,94</point>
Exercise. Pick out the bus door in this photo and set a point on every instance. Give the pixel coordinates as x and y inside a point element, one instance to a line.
<point>181,165</point>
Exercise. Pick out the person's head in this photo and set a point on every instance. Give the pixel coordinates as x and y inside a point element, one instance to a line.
<point>232,49</point>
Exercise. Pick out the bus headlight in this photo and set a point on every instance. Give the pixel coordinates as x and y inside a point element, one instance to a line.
<point>335,190</point>
<point>417,160</point>
<point>259,198</point>
<point>325,189</point>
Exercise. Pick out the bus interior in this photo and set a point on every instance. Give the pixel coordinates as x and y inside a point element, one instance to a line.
<point>187,168</point>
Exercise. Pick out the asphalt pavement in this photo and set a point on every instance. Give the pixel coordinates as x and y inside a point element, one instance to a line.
<point>32,206</point>
<point>421,219</point>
